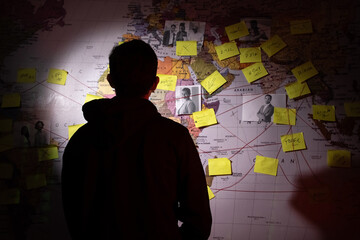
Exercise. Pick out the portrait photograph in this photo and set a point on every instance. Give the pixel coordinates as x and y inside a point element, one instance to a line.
<point>259,30</point>
<point>188,99</point>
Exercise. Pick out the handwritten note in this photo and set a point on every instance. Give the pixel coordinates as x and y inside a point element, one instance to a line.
<point>35,181</point>
<point>297,89</point>
<point>6,171</point>
<point>73,128</point>
<point>167,82</point>
<point>213,82</point>
<point>11,100</point>
<point>6,125</point>
<point>48,153</point>
<point>90,97</point>
<point>219,166</point>
<point>186,48</point>
<point>301,27</point>
<point>57,76</point>
<point>254,72</point>
<point>304,71</point>
<point>236,30</point>
<point>339,158</point>
<point>352,109</point>
<point>26,75</point>
<point>293,142</point>
<point>210,193</point>
<point>266,165</point>
<point>324,112</point>
<point>204,118</point>
<point>227,50</point>
<point>250,55</point>
<point>284,116</point>
<point>9,196</point>
<point>273,45</point>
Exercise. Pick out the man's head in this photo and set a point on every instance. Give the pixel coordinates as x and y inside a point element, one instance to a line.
<point>133,67</point>
<point>268,98</point>
<point>173,28</point>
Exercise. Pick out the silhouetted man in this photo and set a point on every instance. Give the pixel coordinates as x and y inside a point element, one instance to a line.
<point>130,173</point>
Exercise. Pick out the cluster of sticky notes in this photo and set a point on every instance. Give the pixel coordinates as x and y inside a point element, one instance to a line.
<point>297,89</point>
<point>227,50</point>
<point>273,45</point>
<point>186,48</point>
<point>219,166</point>
<point>236,30</point>
<point>338,158</point>
<point>293,142</point>
<point>301,27</point>
<point>254,72</point>
<point>204,118</point>
<point>213,82</point>
<point>352,109</point>
<point>48,153</point>
<point>73,128</point>
<point>210,193</point>
<point>324,112</point>
<point>90,97</point>
<point>26,75</point>
<point>11,100</point>
<point>284,116</point>
<point>167,82</point>
<point>304,71</point>
<point>266,165</point>
<point>35,181</point>
<point>250,55</point>
<point>57,76</point>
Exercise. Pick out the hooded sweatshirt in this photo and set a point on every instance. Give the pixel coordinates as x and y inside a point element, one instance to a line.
<point>130,173</point>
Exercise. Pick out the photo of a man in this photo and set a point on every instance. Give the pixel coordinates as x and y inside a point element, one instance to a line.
<point>169,38</point>
<point>266,111</point>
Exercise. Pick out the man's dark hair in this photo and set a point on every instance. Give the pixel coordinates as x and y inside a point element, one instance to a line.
<point>268,95</point>
<point>133,67</point>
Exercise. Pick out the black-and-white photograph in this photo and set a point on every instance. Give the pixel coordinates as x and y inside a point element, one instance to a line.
<point>183,31</point>
<point>188,99</point>
<point>260,108</point>
<point>259,30</point>
<point>28,134</point>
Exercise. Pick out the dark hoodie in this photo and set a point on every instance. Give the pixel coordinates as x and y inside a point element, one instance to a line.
<point>131,174</point>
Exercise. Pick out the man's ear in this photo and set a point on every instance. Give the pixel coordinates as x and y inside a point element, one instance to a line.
<point>110,80</point>
<point>154,86</point>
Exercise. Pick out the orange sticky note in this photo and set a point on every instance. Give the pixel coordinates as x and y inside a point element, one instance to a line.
<point>339,158</point>
<point>297,89</point>
<point>227,50</point>
<point>324,112</point>
<point>254,72</point>
<point>304,71</point>
<point>72,129</point>
<point>236,30</point>
<point>26,75</point>
<point>273,45</point>
<point>301,26</point>
<point>250,55</point>
<point>204,118</point>
<point>11,100</point>
<point>284,116</point>
<point>186,48</point>
<point>266,165</point>
<point>293,142</point>
<point>57,76</point>
<point>212,82</point>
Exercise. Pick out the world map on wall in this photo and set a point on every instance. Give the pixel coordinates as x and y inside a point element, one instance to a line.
<point>305,199</point>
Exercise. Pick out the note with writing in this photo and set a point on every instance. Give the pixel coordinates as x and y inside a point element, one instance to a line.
<point>266,165</point>
<point>11,100</point>
<point>236,30</point>
<point>210,193</point>
<point>212,82</point>
<point>324,112</point>
<point>301,26</point>
<point>293,142</point>
<point>304,71</point>
<point>250,55</point>
<point>227,50</point>
<point>35,181</point>
<point>297,89</point>
<point>167,82</point>
<point>57,76</point>
<point>73,128</point>
<point>26,75</point>
<point>186,48</point>
<point>48,153</point>
<point>9,196</point>
<point>273,45</point>
<point>90,97</point>
<point>204,118</point>
<point>352,109</point>
<point>6,125</point>
<point>284,116</point>
<point>219,166</point>
<point>254,72</point>
<point>339,158</point>
<point>6,171</point>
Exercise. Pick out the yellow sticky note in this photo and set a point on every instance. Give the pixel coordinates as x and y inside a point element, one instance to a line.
<point>297,89</point>
<point>35,181</point>
<point>324,112</point>
<point>6,171</point>
<point>227,50</point>
<point>26,75</point>
<point>48,153</point>
<point>339,158</point>
<point>57,76</point>
<point>304,71</point>
<point>6,142</point>
<point>204,118</point>
<point>210,193</point>
<point>186,48</point>
<point>284,116</point>
<point>250,55</point>
<point>167,82</point>
<point>10,196</point>
<point>236,30</point>
<point>73,128</point>
<point>119,43</point>
<point>293,142</point>
<point>301,26</point>
<point>273,45</point>
<point>219,166</point>
<point>254,72</point>
<point>90,97</point>
<point>352,109</point>
<point>212,82</point>
<point>6,125</point>
<point>11,100</point>
<point>266,165</point>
